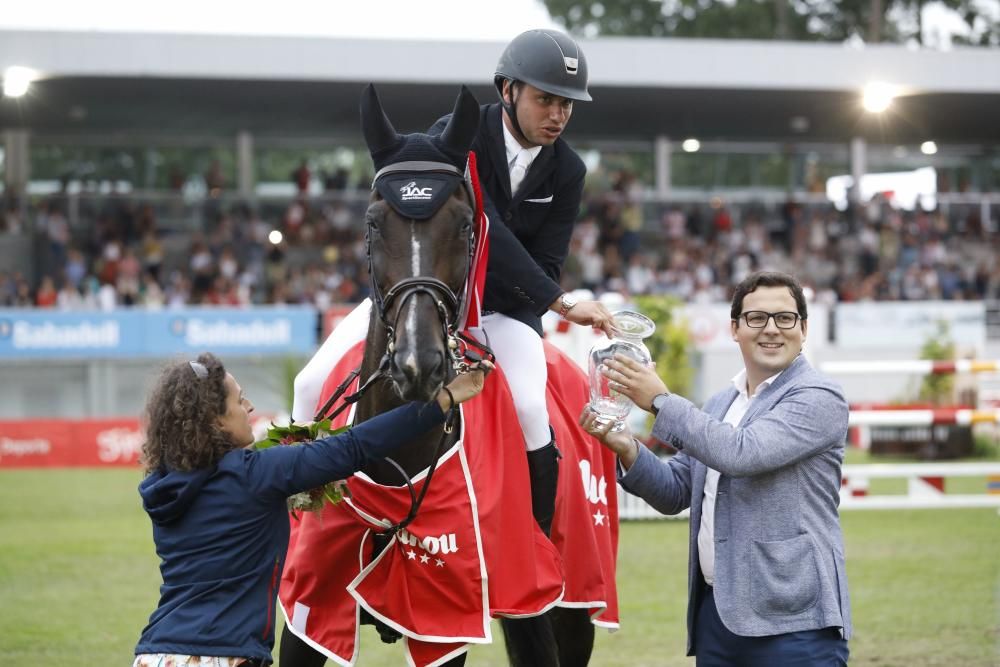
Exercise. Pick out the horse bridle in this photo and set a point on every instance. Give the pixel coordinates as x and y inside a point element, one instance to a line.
<point>448,303</point>
<point>461,348</point>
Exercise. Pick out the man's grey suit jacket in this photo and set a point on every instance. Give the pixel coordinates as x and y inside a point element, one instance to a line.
<point>779,550</point>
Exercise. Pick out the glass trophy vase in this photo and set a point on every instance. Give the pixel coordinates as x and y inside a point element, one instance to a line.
<point>609,405</point>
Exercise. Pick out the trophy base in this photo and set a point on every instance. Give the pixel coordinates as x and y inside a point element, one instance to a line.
<point>604,419</point>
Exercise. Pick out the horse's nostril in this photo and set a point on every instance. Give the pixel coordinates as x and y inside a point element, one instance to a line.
<point>406,365</point>
<point>435,367</point>
<point>418,376</point>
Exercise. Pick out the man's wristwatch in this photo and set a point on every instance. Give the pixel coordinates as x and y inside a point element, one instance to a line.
<point>658,402</point>
<point>566,303</point>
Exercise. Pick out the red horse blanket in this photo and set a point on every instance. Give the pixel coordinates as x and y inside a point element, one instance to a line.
<point>474,551</point>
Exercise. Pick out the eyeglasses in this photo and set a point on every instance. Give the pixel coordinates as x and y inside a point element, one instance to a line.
<point>757,319</point>
<point>199,369</point>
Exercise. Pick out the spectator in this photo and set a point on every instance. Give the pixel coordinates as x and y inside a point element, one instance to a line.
<point>127,283</point>
<point>152,253</point>
<point>76,267</point>
<point>22,293</point>
<point>47,296</point>
<point>151,294</point>
<point>301,178</point>
<point>69,298</point>
<point>215,180</point>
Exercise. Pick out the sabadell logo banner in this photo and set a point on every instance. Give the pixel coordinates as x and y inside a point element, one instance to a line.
<point>35,334</point>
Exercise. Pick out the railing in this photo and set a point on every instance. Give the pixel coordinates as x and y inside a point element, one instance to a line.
<point>926,489</point>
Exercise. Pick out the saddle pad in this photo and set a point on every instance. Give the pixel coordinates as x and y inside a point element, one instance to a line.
<point>474,551</point>
<point>431,582</point>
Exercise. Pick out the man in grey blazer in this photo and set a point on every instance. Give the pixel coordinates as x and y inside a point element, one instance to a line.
<point>759,467</point>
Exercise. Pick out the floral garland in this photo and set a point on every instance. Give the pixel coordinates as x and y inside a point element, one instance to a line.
<point>305,434</point>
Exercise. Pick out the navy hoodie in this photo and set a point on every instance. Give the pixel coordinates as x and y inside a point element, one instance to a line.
<point>221,534</point>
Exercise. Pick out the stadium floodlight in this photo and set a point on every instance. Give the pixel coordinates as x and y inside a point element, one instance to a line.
<point>877,96</point>
<point>275,237</point>
<point>17,80</point>
<point>691,145</point>
<point>928,148</point>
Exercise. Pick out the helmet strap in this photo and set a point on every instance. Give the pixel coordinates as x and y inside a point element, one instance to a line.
<point>511,107</point>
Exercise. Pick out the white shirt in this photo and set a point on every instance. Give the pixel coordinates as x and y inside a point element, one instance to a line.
<point>706,531</point>
<point>513,150</point>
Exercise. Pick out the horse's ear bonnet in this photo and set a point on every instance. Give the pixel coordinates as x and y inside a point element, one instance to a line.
<point>419,192</point>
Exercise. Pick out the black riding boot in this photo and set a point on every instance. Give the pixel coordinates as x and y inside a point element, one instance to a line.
<point>543,466</point>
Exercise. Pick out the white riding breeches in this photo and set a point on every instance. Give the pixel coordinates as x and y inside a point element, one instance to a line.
<point>520,354</point>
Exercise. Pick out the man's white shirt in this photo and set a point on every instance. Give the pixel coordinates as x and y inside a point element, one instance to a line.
<point>517,156</point>
<point>706,532</point>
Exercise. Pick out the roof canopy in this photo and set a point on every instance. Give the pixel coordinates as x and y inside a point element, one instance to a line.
<point>145,84</point>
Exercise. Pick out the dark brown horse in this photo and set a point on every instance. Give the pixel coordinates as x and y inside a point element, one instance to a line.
<point>420,237</point>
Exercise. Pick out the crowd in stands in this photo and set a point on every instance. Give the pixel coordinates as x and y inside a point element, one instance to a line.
<point>118,252</point>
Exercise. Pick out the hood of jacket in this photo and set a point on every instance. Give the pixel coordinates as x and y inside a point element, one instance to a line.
<point>167,494</point>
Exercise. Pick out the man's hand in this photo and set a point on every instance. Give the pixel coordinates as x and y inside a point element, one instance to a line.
<point>465,386</point>
<point>592,313</point>
<point>637,381</point>
<point>621,443</point>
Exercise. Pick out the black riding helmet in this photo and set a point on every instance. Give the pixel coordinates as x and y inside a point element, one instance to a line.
<point>546,59</point>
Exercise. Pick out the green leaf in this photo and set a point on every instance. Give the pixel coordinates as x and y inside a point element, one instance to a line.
<point>332,495</point>
<point>266,443</point>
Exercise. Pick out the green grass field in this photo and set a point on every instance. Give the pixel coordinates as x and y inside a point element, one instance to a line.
<point>78,578</point>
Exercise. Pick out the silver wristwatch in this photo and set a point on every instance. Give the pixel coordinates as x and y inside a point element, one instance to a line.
<point>566,303</point>
<point>658,402</point>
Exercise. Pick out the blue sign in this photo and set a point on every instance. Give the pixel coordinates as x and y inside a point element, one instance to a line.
<point>268,330</point>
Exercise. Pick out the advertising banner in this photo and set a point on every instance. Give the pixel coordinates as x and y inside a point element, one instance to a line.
<point>41,334</point>
<point>67,443</point>
<point>34,443</point>
<point>261,330</point>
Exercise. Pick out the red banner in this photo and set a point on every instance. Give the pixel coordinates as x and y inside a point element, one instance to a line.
<point>44,443</point>
<point>65,443</point>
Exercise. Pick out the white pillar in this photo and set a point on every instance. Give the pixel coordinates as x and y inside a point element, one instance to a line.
<point>244,164</point>
<point>859,167</point>
<point>661,162</point>
<point>17,164</point>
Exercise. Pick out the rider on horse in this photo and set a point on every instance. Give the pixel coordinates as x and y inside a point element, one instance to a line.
<point>532,184</point>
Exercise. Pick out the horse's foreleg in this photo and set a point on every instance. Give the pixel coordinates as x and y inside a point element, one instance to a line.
<point>574,635</point>
<point>296,653</point>
<point>530,642</point>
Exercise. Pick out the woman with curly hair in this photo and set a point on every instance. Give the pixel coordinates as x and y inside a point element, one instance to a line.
<point>220,522</point>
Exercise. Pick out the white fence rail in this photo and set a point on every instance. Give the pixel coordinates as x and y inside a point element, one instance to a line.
<point>926,488</point>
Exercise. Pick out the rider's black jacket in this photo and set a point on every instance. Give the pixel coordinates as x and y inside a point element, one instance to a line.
<point>529,233</point>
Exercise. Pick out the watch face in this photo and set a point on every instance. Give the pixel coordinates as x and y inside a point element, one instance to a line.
<point>568,301</point>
